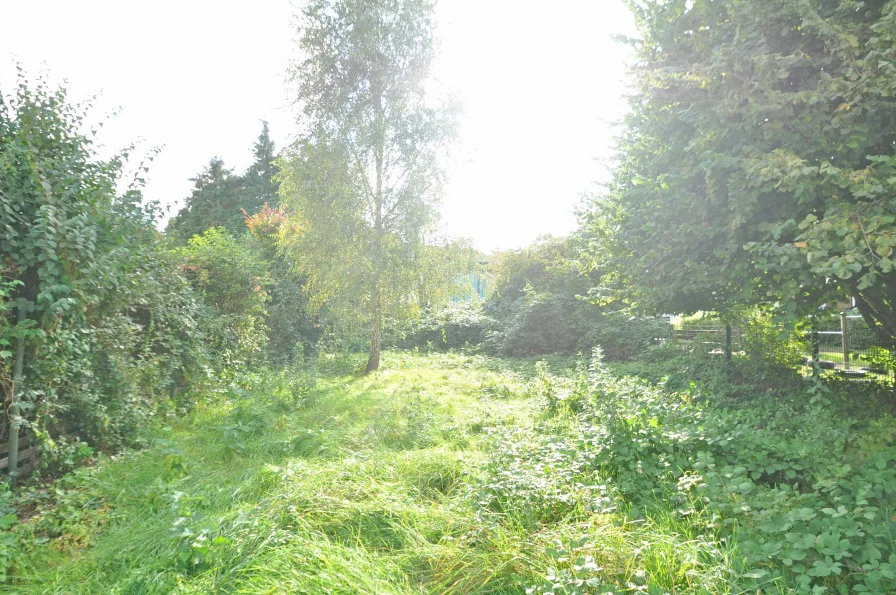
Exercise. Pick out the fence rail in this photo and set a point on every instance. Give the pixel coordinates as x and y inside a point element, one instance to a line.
<point>26,461</point>
<point>850,351</point>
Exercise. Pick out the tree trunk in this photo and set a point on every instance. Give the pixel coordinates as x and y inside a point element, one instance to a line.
<point>376,331</point>
<point>875,304</point>
<point>14,419</point>
<point>376,322</point>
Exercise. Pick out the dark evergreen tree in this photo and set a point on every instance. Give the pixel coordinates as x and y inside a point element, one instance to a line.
<point>216,200</point>
<point>261,187</point>
<point>222,199</point>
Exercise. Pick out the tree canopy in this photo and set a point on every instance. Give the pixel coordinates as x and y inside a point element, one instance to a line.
<point>757,162</point>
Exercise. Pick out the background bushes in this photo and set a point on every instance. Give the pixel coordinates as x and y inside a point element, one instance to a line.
<point>537,304</point>
<point>459,325</point>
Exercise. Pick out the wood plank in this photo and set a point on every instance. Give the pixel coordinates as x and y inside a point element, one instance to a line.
<point>23,442</point>
<point>23,455</point>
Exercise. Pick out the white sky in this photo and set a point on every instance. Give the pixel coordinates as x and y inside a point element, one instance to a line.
<point>540,84</point>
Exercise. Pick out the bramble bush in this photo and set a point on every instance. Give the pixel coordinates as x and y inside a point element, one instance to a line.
<point>800,481</point>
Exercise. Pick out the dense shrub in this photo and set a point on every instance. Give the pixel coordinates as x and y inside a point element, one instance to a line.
<point>767,344</point>
<point>623,337</point>
<point>111,329</point>
<point>543,323</point>
<point>293,327</point>
<point>540,305</point>
<point>232,278</point>
<point>535,301</point>
<point>799,481</point>
<point>456,326</point>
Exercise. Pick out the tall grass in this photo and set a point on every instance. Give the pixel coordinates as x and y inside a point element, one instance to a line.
<point>361,485</point>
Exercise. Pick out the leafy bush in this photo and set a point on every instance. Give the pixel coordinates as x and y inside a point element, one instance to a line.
<point>112,331</point>
<point>879,359</point>
<point>534,304</point>
<point>456,326</point>
<point>767,344</point>
<point>802,483</point>
<point>232,278</point>
<point>622,337</point>
<point>543,323</point>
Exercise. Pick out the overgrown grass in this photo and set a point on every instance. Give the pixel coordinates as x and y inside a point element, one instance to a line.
<point>362,486</point>
<point>441,474</point>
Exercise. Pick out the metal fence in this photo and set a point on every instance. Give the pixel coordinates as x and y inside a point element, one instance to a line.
<point>719,340</point>
<point>843,343</point>
<point>851,349</point>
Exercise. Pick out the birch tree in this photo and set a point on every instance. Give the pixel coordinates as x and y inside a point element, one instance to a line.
<point>366,175</point>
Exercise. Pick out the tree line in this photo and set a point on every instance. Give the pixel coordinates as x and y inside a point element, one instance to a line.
<point>108,322</point>
<point>755,169</point>
<point>757,163</point>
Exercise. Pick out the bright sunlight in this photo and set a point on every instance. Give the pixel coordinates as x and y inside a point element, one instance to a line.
<point>444,297</point>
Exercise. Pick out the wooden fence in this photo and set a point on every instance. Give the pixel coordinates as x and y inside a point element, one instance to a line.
<point>27,456</point>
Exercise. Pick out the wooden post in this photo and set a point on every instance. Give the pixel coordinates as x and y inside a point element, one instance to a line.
<point>728,342</point>
<point>844,333</point>
<point>14,400</point>
<point>816,349</point>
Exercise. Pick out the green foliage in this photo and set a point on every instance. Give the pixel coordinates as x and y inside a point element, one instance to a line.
<point>242,423</point>
<point>879,359</point>
<point>215,202</point>
<point>767,344</point>
<point>221,198</point>
<point>544,323</point>
<point>801,484</point>
<point>458,325</point>
<point>367,173</point>
<point>582,578</point>
<point>538,306</point>
<point>198,542</point>
<point>534,299</point>
<point>10,550</point>
<point>469,474</point>
<point>7,290</point>
<point>260,180</point>
<point>77,511</point>
<point>757,161</point>
<point>293,327</point>
<point>111,326</point>
<point>232,278</point>
<point>623,337</point>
